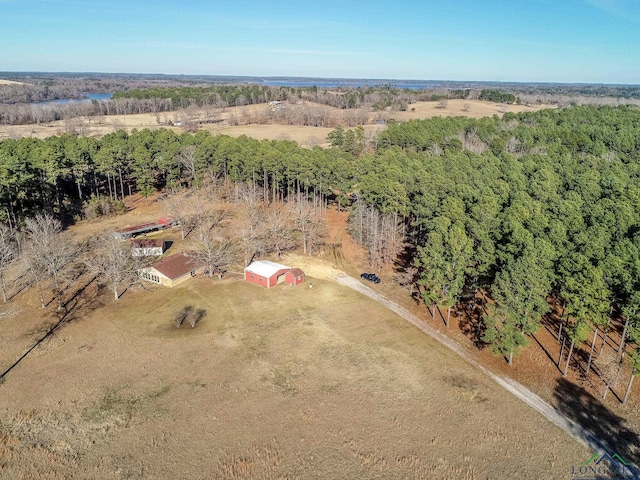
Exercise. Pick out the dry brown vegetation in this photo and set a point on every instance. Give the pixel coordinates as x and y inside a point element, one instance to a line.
<point>10,82</point>
<point>281,383</point>
<point>260,121</point>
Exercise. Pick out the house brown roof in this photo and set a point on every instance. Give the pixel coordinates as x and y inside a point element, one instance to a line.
<point>147,243</point>
<point>176,265</point>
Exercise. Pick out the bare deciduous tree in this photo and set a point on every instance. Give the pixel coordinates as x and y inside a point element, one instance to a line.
<point>111,259</point>
<point>382,235</point>
<point>473,143</point>
<point>187,158</point>
<point>251,243</point>
<point>176,206</point>
<point>188,210</point>
<point>277,233</point>
<point>196,316</point>
<point>8,253</point>
<point>308,222</point>
<point>48,252</point>
<point>214,252</point>
<point>182,315</point>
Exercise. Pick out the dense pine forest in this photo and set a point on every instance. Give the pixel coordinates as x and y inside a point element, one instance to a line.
<point>532,211</point>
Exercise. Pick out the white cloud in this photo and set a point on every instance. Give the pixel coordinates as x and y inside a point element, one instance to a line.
<point>628,9</point>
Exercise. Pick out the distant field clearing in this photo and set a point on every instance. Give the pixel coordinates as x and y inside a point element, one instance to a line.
<point>11,82</point>
<point>303,135</point>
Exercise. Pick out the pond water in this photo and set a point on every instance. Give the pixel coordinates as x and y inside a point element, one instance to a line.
<point>352,84</point>
<point>89,97</point>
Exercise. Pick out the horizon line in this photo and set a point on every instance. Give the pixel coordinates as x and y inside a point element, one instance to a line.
<point>299,77</point>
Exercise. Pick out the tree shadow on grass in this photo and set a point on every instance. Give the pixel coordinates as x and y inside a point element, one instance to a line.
<point>81,303</point>
<point>612,430</point>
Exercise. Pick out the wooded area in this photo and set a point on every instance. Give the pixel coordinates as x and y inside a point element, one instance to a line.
<point>19,103</point>
<point>533,212</point>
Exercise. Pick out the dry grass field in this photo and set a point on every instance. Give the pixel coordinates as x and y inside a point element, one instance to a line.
<point>11,82</point>
<point>466,108</point>
<point>305,136</point>
<point>281,383</point>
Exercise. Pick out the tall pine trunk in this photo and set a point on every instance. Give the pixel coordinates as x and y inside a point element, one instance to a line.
<point>606,331</point>
<point>626,394</point>
<point>593,345</point>
<point>564,339</point>
<point>604,339</point>
<point>566,367</point>
<point>624,335</point>
<point>561,320</point>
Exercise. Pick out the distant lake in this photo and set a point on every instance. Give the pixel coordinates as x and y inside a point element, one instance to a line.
<point>335,84</point>
<point>88,98</point>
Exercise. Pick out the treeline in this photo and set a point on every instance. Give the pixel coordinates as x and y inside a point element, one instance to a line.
<point>537,213</point>
<point>221,96</point>
<point>24,114</point>
<point>42,87</point>
<point>65,174</point>
<point>215,95</point>
<point>375,98</point>
<point>498,96</point>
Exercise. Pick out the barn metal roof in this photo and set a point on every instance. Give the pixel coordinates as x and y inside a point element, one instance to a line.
<point>265,268</point>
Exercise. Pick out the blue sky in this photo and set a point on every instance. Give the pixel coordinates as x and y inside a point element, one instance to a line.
<point>534,40</point>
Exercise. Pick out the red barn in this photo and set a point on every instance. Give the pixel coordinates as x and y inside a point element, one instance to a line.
<point>269,274</point>
<point>294,277</point>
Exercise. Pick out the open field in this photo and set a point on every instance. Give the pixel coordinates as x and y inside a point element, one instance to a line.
<point>465,108</point>
<point>11,82</point>
<point>281,383</point>
<point>305,136</point>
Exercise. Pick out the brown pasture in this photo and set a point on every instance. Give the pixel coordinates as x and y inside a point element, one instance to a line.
<point>280,383</point>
